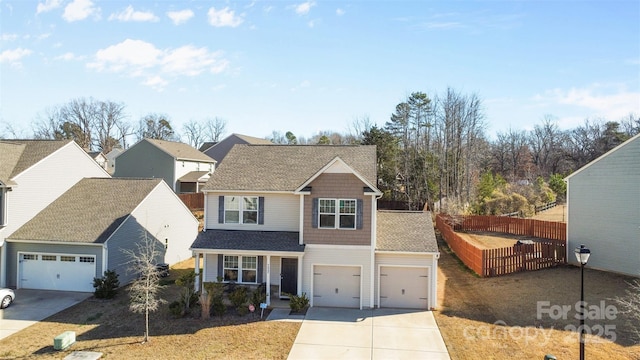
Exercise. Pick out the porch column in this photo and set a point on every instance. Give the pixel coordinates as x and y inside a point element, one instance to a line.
<point>196,268</point>
<point>268,289</point>
<point>299,275</point>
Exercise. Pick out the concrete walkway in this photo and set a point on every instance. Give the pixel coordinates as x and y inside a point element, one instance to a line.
<point>331,333</point>
<point>31,306</point>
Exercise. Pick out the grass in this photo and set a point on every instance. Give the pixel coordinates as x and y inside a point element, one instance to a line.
<point>107,326</point>
<point>498,318</point>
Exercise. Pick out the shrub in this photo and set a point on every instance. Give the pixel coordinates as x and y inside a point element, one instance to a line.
<point>259,295</point>
<point>297,303</point>
<point>188,295</point>
<point>176,308</point>
<point>106,286</point>
<point>212,296</point>
<point>239,298</point>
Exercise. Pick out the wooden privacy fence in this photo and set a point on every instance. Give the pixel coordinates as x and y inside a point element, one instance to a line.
<point>532,255</point>
<point>194,201</point>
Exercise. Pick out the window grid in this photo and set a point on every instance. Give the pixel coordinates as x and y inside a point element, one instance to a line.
<point>242,269</point>
<point>49,258</point>
<point>68,258</point>
<point>345,211</point>
<point>29,257</point>
<point>245,205</point>
<point>87,259</point>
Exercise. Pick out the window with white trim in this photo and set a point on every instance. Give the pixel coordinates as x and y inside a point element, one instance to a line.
<point>241,269</point>
<point>342,210</point>
<point>87,259</point>
<point>68,258</point>
<point>241,209</point>
<point>49,258</point>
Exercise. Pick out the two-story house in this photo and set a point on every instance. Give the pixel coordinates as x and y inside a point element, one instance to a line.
<point>183,168</point>
<point>220,149</point>
<point>304,219</point>
<point>33,173</point>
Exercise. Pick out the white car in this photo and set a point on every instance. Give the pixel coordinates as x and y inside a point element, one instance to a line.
<point>6,297</point>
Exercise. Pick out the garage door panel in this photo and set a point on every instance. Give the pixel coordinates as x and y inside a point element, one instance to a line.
<point>336,286</point>
<point>56,272</point>
<point>404,287</point>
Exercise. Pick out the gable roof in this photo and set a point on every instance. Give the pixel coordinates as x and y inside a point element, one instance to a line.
<point>286,167</point>
<point>617,148</point>
<point>206,146</point>
<point>252,140</point>
<point>180,151</point>
<point>89,212</point>
<point>17,156</point>
<point>405,231</point>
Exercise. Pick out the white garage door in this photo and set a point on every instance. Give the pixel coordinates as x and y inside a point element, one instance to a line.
<point>404,287</point>
<point>56,272</point>
<point>336,286</point>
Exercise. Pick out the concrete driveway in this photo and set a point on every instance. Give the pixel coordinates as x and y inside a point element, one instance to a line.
<point>31,306</point>
<point>330,333</point>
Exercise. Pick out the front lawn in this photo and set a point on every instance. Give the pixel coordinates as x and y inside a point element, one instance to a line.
<point>107,326</point>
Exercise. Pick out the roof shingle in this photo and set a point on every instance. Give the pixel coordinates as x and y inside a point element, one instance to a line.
<point>248,240</point>
<point>181,151</point>
<point>405,231</point>
<point>17,156</point>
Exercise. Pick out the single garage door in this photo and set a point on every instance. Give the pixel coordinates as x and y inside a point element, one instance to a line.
<point>404,287</point>
<point>336,286</point>
<point>56,272</point>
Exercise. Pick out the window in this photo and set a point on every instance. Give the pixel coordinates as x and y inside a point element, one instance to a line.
<point>68,258</point>
<point>241,209</point>
<point>87,259</point>
<point>344,210</point>
<point>48,258</point>
<point>242,269</point>
<point>29,257</point>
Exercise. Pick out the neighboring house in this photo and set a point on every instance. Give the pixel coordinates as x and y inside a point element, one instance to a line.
<point>33,173</point>
<point>111,159</point>
<point>603,204</point>
<point>99,157</point>
<point>184,168</point>
<point>220,149</point>
<point>206,145</point>
<point>84,232</point>
<point>304,219</point>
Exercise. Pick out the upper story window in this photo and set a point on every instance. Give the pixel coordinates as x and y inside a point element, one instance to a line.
<point>337,213</point>
<point>241,210</point>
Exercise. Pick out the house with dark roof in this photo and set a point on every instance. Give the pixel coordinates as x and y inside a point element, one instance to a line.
<point>33,173</point>
<point>304,219</point>
<point>88,229</point>
<point>184,168</point>
<point>220,149</point>
<point>603,208</point>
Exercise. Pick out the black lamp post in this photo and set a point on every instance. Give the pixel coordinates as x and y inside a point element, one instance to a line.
<point>582,254</point>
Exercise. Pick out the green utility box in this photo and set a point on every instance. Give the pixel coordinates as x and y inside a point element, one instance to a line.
<point>64,340</point>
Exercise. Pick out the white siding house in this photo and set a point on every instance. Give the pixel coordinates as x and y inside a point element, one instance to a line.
<point>603,200</point>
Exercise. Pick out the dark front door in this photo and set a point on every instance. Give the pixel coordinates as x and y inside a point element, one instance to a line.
<point>289,277</point>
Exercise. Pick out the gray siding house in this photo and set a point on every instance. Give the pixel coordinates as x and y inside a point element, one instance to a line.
<point>86,230</point>
<point>220,149</point>
<point>184,168</point>
<point>603,201</point>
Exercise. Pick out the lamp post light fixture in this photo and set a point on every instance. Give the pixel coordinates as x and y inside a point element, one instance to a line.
<point>582,255</point>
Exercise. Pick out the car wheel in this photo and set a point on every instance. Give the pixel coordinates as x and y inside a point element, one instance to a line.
<point>5,302</point>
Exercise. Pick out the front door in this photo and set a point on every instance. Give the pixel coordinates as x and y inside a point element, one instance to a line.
<point>288,277</point>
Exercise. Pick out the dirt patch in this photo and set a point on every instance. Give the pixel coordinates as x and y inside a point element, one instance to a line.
<point>504,317</point>
<point>556,213</point>
<point>107,326</point>
<point>489,240</point>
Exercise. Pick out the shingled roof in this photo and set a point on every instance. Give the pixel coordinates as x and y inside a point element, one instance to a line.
<point>248,240</point>
<point>286,167</point>
<point>17,156</point>
<point>181,151</point>
<point>405,231</point>
<point>89,212</point>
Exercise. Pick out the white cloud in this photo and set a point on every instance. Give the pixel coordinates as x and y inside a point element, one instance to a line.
<point>304,8</point>
<point>312,23</point>
<point>137,58</point>
<point>8,37</point>
<point>224,17</point>
<point>129,14</point>
<point>180,17</point>
<point>80,10</point>
<point>68,57</point>
<point>340,12</point>
<point>14,56</point>
<point>48,5</point>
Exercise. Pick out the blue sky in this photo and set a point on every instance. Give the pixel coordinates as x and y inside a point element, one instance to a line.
<point>318,65</point>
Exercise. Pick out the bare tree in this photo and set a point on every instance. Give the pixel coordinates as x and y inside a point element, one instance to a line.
<point>156,126</point>
<point>144,290</point>
<point>630,304</point>
<point>277,137</point>
<point>357,128</point>
<point>215,128</point>
<point>109,122</point>
<point>193,131</point>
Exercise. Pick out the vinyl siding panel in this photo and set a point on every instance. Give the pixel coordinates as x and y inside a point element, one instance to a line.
<point>13,248</point>
<point>604,211</point>
<point>145,160</point>
<point>210,268</point>
<point>184,167</point>
<point>281,212</point>
<point>413,260</point>
<point>337,186</point>
<point>336,255</point>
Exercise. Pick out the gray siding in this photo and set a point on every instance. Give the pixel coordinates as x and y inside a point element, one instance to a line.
<point>13,248</point>
<point>220,150</point>
<point>604,210</point>
<point>145,160</point>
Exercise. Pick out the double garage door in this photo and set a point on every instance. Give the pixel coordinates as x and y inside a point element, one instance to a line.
<point>336,286</point>
<point>404,287</point>
<point>56,271</point>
